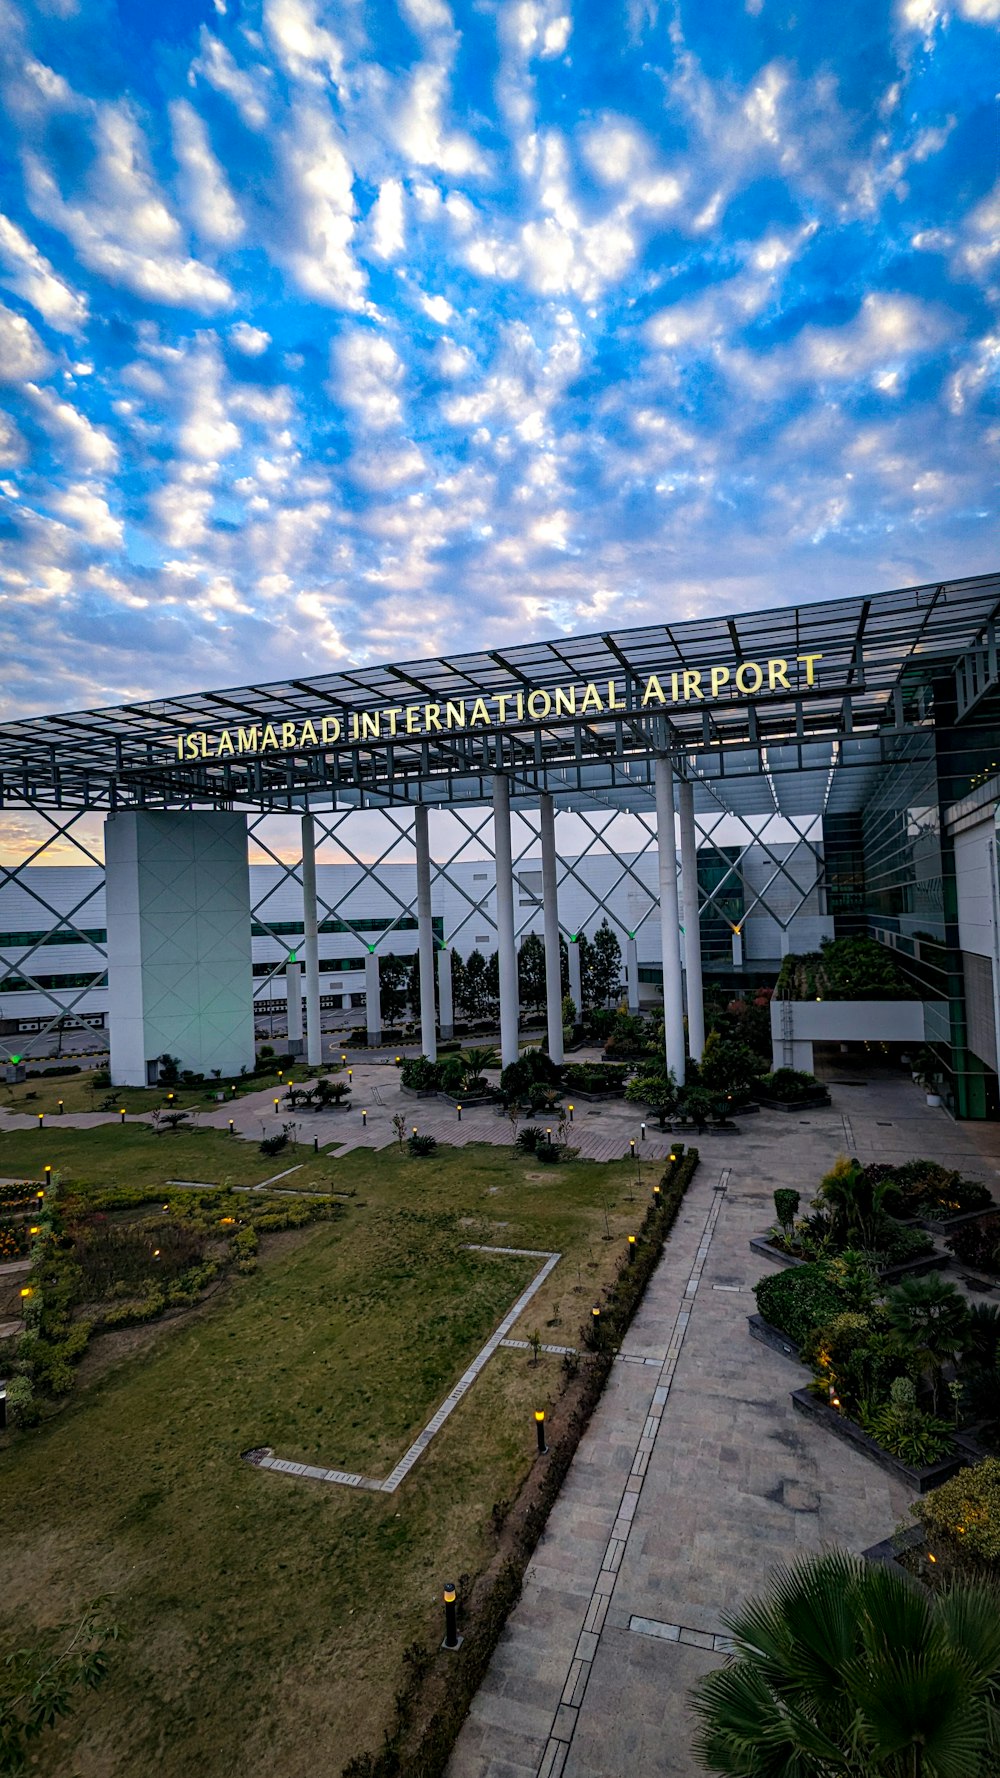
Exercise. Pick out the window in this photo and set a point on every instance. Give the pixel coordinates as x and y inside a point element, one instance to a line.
<point>480,876</point>
<point>96,935</point>
<point>530,884</point>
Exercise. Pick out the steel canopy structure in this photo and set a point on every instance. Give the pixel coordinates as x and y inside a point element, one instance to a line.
<point>885,668</point>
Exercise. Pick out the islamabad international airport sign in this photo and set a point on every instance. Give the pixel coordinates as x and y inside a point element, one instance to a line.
<point>581,700</point>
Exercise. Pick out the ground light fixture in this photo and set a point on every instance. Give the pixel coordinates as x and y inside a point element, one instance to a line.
<point>60,1108</point>
<point>540,1431</point>
<point>458,1108</point>
<point>364,1120</point>
<point>121,1114</point>
<point>571,1114</point>
<point>657,1197</point>
<point>642,1132</point>
<point>232,1127</point>
<point>631,1148</point>
<point>275,1104</point>
<point>451,1636</point>
<point>631,1250</point>
<point>41,1120</point>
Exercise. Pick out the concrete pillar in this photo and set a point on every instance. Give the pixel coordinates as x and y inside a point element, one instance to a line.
<point>576,976</point>
<point>373,1000</point>
<point>425,933</point>
<point>632,973</point>
<point>550,924</point>
<point>737,949</point>
<point>293,1001</point>
<point>446,1000</point>
<point>670,934</point>
<point>310,944</point>
<point>506,949</point>
<point>180,971</point>
<point>692,919</point>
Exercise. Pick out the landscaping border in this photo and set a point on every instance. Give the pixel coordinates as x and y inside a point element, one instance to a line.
<point>910,1268</point>
<point>850,1433</point>
<point>440,1685</point>
<point>769,1335</point>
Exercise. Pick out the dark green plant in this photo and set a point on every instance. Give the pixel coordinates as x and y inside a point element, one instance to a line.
<point>978,1244</point>
<point>731,1068</point>
<point>798,1300</point>
<point>530,1139</point>
<point>421,1145</point>
<point>789,1084</point>
<point>929,1319</point>
<point>965,1513</point>
<point>849,1669</point>
<point>421,1074</point>
<point>40,1682</point>
<point>902,1429</point>
<point>477,1061</point>
<point>271,1145</point>
<point>786,1208</point>
<point>844,969</point>
<point>169,1070</point>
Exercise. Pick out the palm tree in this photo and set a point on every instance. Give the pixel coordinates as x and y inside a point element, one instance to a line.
<point>930,1319</point>
<point>845,1669</point>
<point>476,1063</point>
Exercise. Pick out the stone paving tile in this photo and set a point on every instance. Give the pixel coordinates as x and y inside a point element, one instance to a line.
<point>725,1481</point>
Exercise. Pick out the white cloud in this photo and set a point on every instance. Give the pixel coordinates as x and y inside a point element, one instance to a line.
<point>305,47</point>
<point>13,450</point>
<point>980,12</point>
<point>438,308</point>
<point>320,192</point>
<point>181,512</point>
<point>428,15</point>
<point>122,228</point>
<point>206,432</point>
<point>29,273</point>
<point>207,197</point>
<point>89,513</point>
<point>387,224</point>
<point>251,341</point>
<point>84,442</point>
<point>22,354</point>
<point>216,65</point>
<point>367,376</point>
<point>453,361</point>
<point>420,128</point>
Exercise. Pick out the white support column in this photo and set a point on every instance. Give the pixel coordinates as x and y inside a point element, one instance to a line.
<point>670,935</point>
<point>446,999</point>
<point>507,953</point>
<point>373,1000</point>
<point>632,972</point>
<point>293,1002</point>
<point>737,949</point>
<point>310,944</point>
<point>576,976</point>
<point>425,933</point>
<point>550,919</point>
<point>692,920</point>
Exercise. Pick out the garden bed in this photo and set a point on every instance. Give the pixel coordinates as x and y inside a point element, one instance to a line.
<point>891,1548</point>
<point>909,1268</point>
<point>922,1479</point>
<point>772,1336</point>
<point>468,1101</point>
<point>947,1225</point>
<point>592,1098</point>
<point>808,1102</point>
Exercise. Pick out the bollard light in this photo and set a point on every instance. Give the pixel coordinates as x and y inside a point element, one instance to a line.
<point>631,1250</point>
<point>47,1175</point>
<point>657,1197</point>
<point>275,1104</point>
<point>673,1157</point>
<point>350,1074</point>
<point>41,1120</point>
<point>121,1114</point>
<point>170,1098</point>
<point>631,1148</point>
<point>595,1317</point>
<point>34,1229</point>
<point>548,1135</point>
<point>60,1108</point>
<point>458,1108</point>
<point>450,1617</point>
<point>540,1431</point>
<point>232,1127</point>
<point>315,1145</point>
<point>232,1088</point>
<point>571,1114</point>
<point>281,1074</point>
<point>343,1059</point>
<point>364,1120</point>
<point>414,1129</point>
<point>642,1132</point>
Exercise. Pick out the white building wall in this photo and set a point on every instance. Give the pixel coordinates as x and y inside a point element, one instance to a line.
<point>974,873</point>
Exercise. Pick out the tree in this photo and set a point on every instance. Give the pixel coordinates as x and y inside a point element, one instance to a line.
<point>930,1319</point>
<point>471,989</point>
<point>413,984</point>
<point>392,987</point>
<point>492,979</point>
<point>850,1669</point>
<point>605,967</point>
<point>531,971</point>
<point>39,1683</point>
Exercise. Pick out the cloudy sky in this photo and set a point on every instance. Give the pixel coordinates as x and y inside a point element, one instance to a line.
<point>368,330</point>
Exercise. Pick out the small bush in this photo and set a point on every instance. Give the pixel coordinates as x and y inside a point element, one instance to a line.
<point>272,1145</point>
<point>965,1512</point>
<point>420,1074</point>
<point>786,1206</point>
<point>799,1300</point>
<point>422,1145</point>
<point>530,1139</point>
<point>902,1429</point>
<point>22,1408</point>
<point>978,1244</point>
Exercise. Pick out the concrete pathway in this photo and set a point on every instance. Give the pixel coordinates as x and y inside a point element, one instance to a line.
<point>696,1477</point>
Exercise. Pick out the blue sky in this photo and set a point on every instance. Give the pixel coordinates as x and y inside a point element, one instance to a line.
<point>360,332</point>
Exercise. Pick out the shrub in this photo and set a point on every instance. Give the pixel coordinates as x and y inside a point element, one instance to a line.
<point>853,1359</point>
<point>594,1077</point>
<point>789,1084</point>
<point>786,1207</point>
<point>844,969</point>
<point>798,1300</point>
<point>549,1152</point>
<point>422,1145</point>
<point>452,1072</point>
<point>730,1068</point>
<point>530,1139</point>
<point>978,1244</point>
<point>272,1145</point>
<point>420,1074</point>
<point>965,1513</point>
<point>22,1408</point>
<point>902,1429</point>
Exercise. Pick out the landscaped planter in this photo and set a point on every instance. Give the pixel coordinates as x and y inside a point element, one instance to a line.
<point>807,1102</point>
<point>890,1548</point>
<point>946,1225</point>
<point>909,1268</point>
<point>851,1434</point>
<point>468,1101</point>
<point>593,1098</point>
<point>419,1092</point>
<point>772,1336</point>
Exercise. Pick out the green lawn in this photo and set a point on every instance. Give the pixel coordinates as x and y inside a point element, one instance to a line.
<point>79,1093</point>
<point>133,1154</point>
<point>267,1617</point>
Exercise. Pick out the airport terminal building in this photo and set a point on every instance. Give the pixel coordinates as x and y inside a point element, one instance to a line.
<point>721,792</point>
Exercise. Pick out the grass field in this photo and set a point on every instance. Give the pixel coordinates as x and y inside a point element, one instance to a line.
<point>132,1154</point>
<point>78,1092</point>
<point>266,1618</point>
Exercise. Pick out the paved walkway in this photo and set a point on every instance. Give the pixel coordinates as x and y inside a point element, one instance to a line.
<point>696,1476</point>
